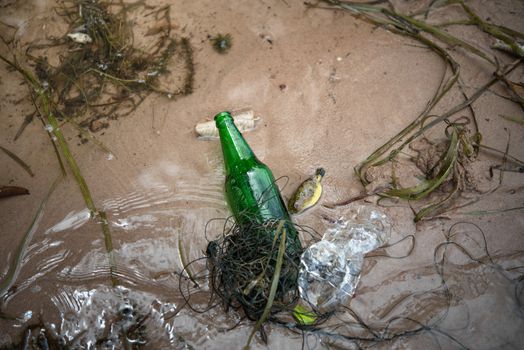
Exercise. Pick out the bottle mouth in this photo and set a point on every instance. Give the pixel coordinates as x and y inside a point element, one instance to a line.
<point>222,117</point>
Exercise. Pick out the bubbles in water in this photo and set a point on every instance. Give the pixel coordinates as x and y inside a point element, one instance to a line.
<point>116,318</point>
<point>27,316</point>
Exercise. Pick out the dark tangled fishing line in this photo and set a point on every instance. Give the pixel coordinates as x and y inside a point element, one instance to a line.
<point>243,263</point>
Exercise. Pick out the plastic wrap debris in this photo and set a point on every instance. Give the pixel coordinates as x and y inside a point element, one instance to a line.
<point>330,269</point>
<point>245,120</point>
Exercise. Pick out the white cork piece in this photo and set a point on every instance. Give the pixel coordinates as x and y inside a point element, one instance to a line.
<point>245,121</point>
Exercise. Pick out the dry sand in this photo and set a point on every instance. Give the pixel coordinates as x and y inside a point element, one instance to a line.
<point>329,89</point>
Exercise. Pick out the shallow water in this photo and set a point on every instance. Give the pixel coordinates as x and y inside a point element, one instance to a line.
<point>348,87</point>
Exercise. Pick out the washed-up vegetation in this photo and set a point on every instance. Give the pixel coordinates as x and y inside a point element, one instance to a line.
<point>100,69</point>
<point>443,178</point>
<point>463,137</point>
<point>106,74</point>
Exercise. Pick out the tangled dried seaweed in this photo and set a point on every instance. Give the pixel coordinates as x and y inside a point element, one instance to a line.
<point>108,76</point>
<point>463,142</point>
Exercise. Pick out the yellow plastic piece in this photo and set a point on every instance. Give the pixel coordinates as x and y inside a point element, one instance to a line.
<point>303,316</point>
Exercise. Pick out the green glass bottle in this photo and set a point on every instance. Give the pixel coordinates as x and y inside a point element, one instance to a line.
<point>251,191</point>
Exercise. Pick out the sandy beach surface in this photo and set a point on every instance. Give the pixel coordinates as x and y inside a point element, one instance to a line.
<point>329,89</point>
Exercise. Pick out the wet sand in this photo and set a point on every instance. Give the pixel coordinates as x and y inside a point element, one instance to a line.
<point>329,89</point>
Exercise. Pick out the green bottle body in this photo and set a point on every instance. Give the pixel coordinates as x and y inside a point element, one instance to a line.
<point>250,187</point>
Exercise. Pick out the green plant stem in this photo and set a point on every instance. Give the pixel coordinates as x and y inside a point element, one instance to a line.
<point>489,212</point>
<point>43,103</point>
<point>427,186</point>
<point>274,282</point>
<point>505,154</point>
<point>441,35</point>
<point>398,23</point>
<point>84,189</point>
<point>513,119</point>
<point>493,30</point>
<point>16,261</point>
<point>19,161</point>
<point>185,264</point>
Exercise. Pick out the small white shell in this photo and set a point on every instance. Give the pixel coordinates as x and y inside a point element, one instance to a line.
<point>80,38</point>
<point>245,120</point>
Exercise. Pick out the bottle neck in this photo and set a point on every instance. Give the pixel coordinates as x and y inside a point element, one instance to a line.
<point>234,148</point>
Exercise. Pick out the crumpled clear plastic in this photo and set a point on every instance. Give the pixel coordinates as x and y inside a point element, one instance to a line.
<point>330,269</point>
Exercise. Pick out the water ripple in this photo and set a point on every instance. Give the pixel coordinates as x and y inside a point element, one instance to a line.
<point>100,316</point>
